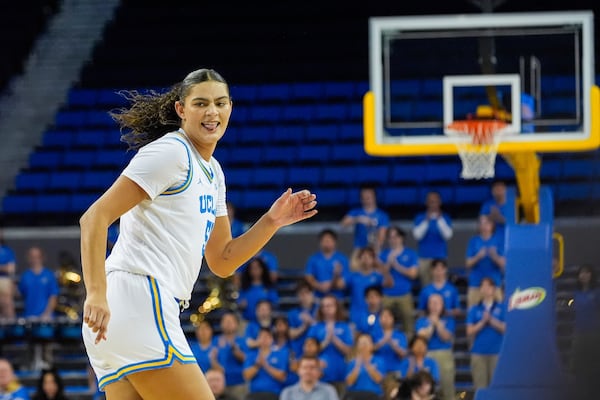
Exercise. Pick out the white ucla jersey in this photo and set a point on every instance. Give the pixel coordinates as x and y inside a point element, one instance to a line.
<point>165,236</point>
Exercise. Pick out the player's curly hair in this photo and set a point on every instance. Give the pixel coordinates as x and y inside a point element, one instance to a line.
<point>152,114</point>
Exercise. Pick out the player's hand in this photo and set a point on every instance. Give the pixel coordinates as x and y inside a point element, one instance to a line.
<point>291,207</point>
<point>96,315</point>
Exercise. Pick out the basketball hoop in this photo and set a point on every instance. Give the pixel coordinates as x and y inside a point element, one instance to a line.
<point>477,141</point>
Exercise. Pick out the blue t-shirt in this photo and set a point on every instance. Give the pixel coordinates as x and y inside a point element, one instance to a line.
<point>391,359</point>
<point>357,283</point>
<point>22,393</point>
<point>448,291</point>
<point>202,353</point>
<point>37,289</point>
<point>402,283</point>
<point>321,268</point>
<point>253,295</point>
<point>486,209</point>
<point>335,367</point>
<point>232,366</point>
<point>364,382</point>
<point>7,256</point>
<point>263,381</point>
<point>295,321</point>
<point>488,340</point>
<point>587,311</point>
<point>361,231</point>
<point>432,244</point>
<point>429,365</point>
<point>435,342</point>
<point>485,267</point>
<point>368,322</point>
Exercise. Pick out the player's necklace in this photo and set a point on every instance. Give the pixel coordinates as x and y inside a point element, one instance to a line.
<point>204,165</point>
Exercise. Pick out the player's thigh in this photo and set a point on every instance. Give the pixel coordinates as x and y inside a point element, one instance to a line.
<point>121,390</point>
<point>178,382</point>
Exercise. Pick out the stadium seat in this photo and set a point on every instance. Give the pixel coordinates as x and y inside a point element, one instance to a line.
<point>79,202</point>
<point>243,94</point>
<point>574,192</point>
<point>372,174</point>
<point>297,113</point>
<point>334,175</point>
<point>45,159</point>
<point>275,177</point>
<point>322,133</point>
<point>117,159</point>
<point>578,169</point>
<point>245,155</point>
<point>337,112</point>
<point>82,98</point>
<point>401,110</point>
<point>110,98</point>
<point>404,172</point>
<point>303,176</point>
<point>341,91</point>
<point>404,88</point>
<point>58,138</point>
<point>287,134</point>
<point>18,203</point>
<point>351,132</point>
<point>64,180</point>
<point>27,181</point>
<point>98,180</point>
<point>285,154</point>
<point>52,203</point>
<point>260,198</point>
<point>331,197</point>
<point>275,92</point>
<point>252,135</point>
<point>90,138</point>
<point>471,194</point>
<point>314,154</point>
<point>100,119</point>
<point>399,196</point>
<point>70,119</point>
<point>80,159</point>
<point>306,91</point>
<point>261,114</point>
<point>238,177</point>
<point>443,172</point>
<point>349,152</point>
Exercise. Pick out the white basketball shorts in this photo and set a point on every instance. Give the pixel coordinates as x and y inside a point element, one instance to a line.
<point>144,331</point>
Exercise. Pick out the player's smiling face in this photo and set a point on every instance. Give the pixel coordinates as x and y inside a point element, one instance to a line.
<point>205,113</point>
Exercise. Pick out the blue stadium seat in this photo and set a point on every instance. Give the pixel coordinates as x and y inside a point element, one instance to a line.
<point>401,110</point>
<point>240,114</point>
<point>578,169</point>
<point>325,112</point>
<point>341,90</point>
<point>246,155</point>
<point>18,203</point>
<point>306,91</point>
<point>297,113</point>
<point>399,196</point>
<point>260,198</point>
<point>90,138</point>
<point>238,177</point>
<point>314,154</point>
<point>45,159</point>
<point>335,175</point>
<point>558,106</point>
<point>550,169</point>
<point>243,94</point>
<point>70,119</point>
<point>235,196</point>
<point>303,176</point>
<point>81,159</point>
<point>443,172</point>
<point>85,98</point>
<point>64,180</point>
<point>288,134</point>
<point>408,173</point>
<point>260,114</point>
<point>322,133</point>
<point>275,177</point>
<point>79,202</point>
<point>361,88</point>
<point>111,158</point>
<point>112,138</point>
<point>574,192</point>
<point>472,194</point>
<point>372,174</point>
<point>252,134</point>
<point>110,98</point>
<point>284,154</point>
<point>31,181</point>
<point>58,138</point>
<point>332,197</point>
<point>356,112</point>
<point>402,88</point>
<point>273,92</point>
<point>432,88</point>
<point>427,110</point>
<point>349,152</point>
<point>97,179</point>
<point>351,132</point>
<point>49,203</point>
<point>102,119</point>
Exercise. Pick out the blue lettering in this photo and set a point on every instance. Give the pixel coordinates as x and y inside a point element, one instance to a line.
<point>207,204</point>
<point>209,227</point>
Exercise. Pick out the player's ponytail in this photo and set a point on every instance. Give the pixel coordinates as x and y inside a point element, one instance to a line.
<point>152,114</point>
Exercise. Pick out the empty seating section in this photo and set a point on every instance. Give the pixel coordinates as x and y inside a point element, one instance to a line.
<point>302,134</point>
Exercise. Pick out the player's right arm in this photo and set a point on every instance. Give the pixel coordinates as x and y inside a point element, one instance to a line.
<point>123,195</point>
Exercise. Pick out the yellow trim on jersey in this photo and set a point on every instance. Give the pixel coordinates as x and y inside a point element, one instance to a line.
<point>171,352</point>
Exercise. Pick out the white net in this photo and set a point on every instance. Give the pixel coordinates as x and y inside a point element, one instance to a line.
<point>477,142</point>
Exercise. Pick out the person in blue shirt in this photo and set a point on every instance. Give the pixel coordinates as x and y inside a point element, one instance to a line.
<point>335,338</point>
<point>327,269</point>
<point>365,371</point>
<point>442,286</point>
<point>432,229</point>
<point>390,344</point>
<point>368,320</point>
<point>10,387</point>
<point>484,259</point>
<point>282,341</point>
<point>265,368</point>
<point>439,329</point>
<point>204,346</point>
<point>38,286</point>
<point>400,269</point>
<point>485,327</point>
<point>496,208</point>
<point>8,267</point>
<point>237,226</point>
<point>418,360</point>
<point>232,354</point>
<point>369,222</point>
<point>302,316</point>
<point>264,319</point>
<point>368,274</point>
<point>268,258</point>
<point>256,284</point>
<point>585,351</point>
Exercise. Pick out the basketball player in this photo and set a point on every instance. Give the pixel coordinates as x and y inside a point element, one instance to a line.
<point>172,208</point>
